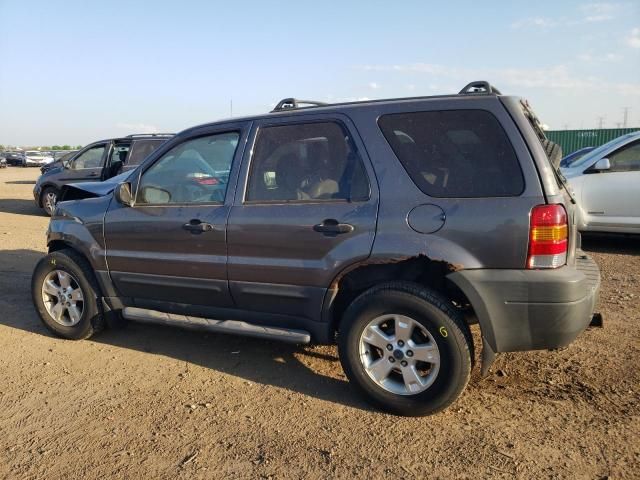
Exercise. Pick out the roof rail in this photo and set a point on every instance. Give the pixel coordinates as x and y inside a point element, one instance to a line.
<point>290,103</point>
<point>481,87</point>
<point>135,135</point>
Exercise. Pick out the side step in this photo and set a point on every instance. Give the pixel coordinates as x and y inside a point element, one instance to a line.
<point>234,327</point>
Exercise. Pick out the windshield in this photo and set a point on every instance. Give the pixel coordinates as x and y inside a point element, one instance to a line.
<point>32,153</point>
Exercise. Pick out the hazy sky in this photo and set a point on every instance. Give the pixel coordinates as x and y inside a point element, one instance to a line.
<point>77,71</point>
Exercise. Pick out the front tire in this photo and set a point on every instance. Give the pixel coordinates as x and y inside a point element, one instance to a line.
<point>48,199</point>
<point>65,294</point>
<point>406,349</point>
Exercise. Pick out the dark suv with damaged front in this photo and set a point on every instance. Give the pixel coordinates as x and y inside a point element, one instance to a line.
<point>97,162</point>
<point>386,226</point>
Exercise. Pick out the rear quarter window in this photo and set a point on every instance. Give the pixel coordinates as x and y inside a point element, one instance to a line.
<point>455,153</point>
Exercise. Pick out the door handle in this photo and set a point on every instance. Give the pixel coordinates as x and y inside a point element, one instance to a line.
<point>196,226</point>
<point>93,174</point>
<point>331,227</point>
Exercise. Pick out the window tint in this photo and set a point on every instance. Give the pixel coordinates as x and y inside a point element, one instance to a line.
<point>626,159</point>
<point>92,158</point>
<point>141,149</point>
<point>457,153</point>
<point>306,162</point>
<point>195,171</point>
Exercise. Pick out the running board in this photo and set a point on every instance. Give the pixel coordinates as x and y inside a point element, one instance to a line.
<point>234,327</point>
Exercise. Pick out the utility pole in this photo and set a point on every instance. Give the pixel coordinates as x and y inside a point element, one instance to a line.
<point>600,122</point>
<point>625,116</point>
<point>231,107</point>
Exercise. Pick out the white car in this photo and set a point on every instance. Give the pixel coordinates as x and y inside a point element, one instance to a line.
<point>34,158</point>
<point>606,186</point>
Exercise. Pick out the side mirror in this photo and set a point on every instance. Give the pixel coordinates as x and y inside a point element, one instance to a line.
<point>601,165</point>
<point>123,195</point>
<point>154,195</point>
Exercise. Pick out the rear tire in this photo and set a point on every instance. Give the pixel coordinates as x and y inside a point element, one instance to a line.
<point>66,295</point>
<point>406,349</point>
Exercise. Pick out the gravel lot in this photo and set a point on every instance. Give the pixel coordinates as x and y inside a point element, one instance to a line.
<point>154,402</point>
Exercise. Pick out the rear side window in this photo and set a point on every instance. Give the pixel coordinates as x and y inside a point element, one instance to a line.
<point>306,162</point>
<point>455,153</point>
<point>142,149</point>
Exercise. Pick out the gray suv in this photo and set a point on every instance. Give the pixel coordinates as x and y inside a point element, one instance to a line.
<point>386,226</point>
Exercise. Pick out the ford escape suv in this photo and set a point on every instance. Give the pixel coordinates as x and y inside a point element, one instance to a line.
<point>386,226</point>
<point>96,162</point>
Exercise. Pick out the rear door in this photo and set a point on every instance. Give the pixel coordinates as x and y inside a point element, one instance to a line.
<point>611,198</point>
<point>308,210</point>
<point>120,150</point>
<point>168,251</point>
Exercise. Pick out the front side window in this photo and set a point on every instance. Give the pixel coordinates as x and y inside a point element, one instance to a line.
<point>306,162</point>
<point>455,153</point>
<point>92,158</point>
<point>626,159</point>
<point>196,171</point>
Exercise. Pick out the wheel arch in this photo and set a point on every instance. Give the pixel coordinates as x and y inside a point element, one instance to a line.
<point>357,278</point>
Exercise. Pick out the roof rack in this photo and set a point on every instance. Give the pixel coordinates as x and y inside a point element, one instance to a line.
<point>289,103</point>
<point>481,87</point>
<point>135,135</point>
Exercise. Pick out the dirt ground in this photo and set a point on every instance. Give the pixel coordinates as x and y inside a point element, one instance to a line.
<point>155,402</point>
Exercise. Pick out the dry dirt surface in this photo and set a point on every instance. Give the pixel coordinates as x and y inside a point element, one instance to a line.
<point>160,403</point>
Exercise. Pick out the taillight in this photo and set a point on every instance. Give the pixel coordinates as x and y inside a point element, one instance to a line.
<point>548,235</point>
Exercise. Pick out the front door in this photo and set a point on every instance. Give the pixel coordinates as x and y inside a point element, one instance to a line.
<point>308,210</point>
<point>168,250</point>
<point>87,165</point>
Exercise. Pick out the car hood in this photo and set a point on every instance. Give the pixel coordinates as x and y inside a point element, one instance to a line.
<point>77,191</point>
<point>57,165</point>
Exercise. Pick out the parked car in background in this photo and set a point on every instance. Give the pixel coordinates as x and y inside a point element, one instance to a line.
<point>575,156</point>
<point>3,161</point>
<point>94,163</point>
<point>36,158</point>
<point>14,158</point>
<point>606,185</point>
<point>59,160</point>
<point>386,226</point>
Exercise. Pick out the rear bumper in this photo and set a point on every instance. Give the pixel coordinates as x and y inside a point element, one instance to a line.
<point>532,309</point>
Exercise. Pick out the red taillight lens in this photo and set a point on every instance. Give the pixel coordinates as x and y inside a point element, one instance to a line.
<point>548,234</point>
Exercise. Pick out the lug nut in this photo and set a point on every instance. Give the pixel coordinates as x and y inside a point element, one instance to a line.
<point>400,343</point>
<point>409,353</point>
<point>389,347</point>
<point>392,360</point>
<point>404,363</point>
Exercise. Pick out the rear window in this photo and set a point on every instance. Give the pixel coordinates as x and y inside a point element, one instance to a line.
<point>142,149</point>
<point>455,153</point>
